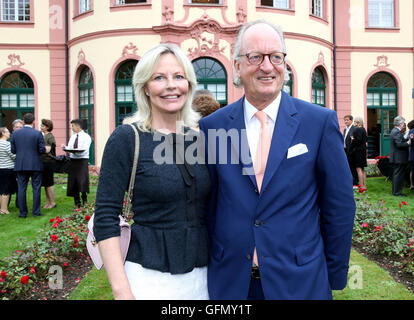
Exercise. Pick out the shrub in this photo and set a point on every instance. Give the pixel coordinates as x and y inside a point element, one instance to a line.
<point>60,240</point>
<point>380,232</point>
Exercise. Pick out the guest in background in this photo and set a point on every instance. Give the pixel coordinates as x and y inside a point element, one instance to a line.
<point>7,175</point>
<point>349,128</point>
<point>48,159</point>
<point>410,126</point>
<point>28,144</point>
<point>205,104</point>
<point>358,151</point>
<point>399,155</point>
<point>78,175</point>
<point>17,124</point>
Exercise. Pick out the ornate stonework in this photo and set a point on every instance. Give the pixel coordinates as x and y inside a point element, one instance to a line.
<point>382,62</point>
<point>129,49</point>
<point>15,61</point>
<point>81,57</point>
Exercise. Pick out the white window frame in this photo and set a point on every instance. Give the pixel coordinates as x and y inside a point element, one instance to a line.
<point>384,21</point>
<point>84,6</point>
<point>8,6</point>
<point>318,8</point>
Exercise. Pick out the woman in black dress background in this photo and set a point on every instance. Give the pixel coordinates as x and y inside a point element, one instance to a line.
<point>358,151</point>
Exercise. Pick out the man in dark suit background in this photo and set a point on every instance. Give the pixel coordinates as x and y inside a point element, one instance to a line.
<point>28,144</point>
<point>398,155</point>
<point>348,131</point>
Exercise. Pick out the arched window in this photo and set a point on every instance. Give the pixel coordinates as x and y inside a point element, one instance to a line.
<point>16,97</point>
<point>86,107</point>
<point>318,88</point>
<point>212,76</point>
<point>382,102</point>
<point>124,92</point>
<point>288,85</point>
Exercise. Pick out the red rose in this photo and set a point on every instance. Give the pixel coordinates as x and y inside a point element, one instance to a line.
<point>66,264</point>
<point>87,218</point>
<point>24,280</point>
<point>404,202</point>
<point>51,220</point>
<point>365,225</point>
<point>32,270</point>
<point>54,237</point>
<point>75,245</point>
<point>3,274</point>
<point>76,239</point>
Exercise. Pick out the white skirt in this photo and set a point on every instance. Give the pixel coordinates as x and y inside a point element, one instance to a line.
<point>148,284</point>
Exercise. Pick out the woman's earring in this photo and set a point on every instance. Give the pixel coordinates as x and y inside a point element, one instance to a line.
<point>147,93</point>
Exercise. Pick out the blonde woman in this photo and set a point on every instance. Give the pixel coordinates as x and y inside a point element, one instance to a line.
<point>358,151</point>
<point>167,257</point>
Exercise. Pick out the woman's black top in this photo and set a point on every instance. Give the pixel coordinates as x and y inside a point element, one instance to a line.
<point>165,235</point>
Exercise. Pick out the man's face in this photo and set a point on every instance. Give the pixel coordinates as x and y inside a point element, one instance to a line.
<point>75,128</point>
<point>17,126</point>
<point>261,83</point>
<point>403,127</point>
<point>347,121</point>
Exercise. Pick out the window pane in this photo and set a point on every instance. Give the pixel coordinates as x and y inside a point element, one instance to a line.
<point>283,4</point>
<point>381,13</point>
<point>317,8</point>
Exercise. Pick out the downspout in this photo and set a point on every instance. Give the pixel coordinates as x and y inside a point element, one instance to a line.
<point>334,52</point>
<point>67,66</point>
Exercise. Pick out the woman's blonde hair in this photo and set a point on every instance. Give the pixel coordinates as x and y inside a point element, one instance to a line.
<point>142,74</point>
<point>359,120</point>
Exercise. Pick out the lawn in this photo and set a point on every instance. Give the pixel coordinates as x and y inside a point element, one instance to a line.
<point>366,281</point>
<point>15,229</point>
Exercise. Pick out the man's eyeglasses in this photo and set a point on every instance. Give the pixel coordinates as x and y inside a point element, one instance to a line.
<point>256,58</point>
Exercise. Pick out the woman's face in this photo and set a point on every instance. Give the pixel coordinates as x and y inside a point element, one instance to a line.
<point>6,134</point>
<point>167,88</point>
<point>43,128</point>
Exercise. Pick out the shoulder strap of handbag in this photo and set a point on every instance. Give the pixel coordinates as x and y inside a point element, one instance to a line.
<point>127,212</point>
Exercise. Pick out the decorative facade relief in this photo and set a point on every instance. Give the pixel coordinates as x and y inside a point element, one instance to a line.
<point>129,50</point>
<point>382,62</point>
<point>81,57</point>
<point>15,61</point>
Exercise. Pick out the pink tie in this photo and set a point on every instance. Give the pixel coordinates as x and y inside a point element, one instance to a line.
<point>261,156</point>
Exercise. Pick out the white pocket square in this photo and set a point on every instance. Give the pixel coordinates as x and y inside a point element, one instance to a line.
<point>297,150</point>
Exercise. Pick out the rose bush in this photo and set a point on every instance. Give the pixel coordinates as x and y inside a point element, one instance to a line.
<point>61,240</point>
<point>378,231</point>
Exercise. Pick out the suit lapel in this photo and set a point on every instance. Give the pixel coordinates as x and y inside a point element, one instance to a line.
<point>283,133</point>
<point>240,146</point>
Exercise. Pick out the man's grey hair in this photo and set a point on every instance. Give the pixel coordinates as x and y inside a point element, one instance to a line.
<point>398,120</point>
<point>239,43</point>
<point>17,121</point>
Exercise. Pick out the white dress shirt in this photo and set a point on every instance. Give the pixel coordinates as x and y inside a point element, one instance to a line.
<point>346,133</point>
<point>253,124</point>
<point>84,142</point>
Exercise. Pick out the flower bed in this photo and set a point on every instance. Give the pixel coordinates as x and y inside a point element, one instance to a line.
<point>58,244</point>
<point>379,231</point>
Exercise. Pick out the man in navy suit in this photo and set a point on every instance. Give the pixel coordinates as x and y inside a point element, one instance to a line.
<point>28,144</point>
<point>288,237</point>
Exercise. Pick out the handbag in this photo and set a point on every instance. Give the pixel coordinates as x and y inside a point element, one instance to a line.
<point>124,217</point>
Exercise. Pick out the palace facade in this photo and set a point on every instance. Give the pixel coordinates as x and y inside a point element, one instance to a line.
<point>67,59</point>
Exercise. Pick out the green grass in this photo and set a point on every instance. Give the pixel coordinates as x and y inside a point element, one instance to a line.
<point>380,190</point>
<point>374,284</point>
<point>14,228</point>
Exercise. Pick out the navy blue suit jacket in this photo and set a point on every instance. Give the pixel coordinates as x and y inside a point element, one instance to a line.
<point>28,144</point>
<point>302,220</point>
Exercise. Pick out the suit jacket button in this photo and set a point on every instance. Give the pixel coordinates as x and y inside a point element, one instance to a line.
<point>257,223</point>
<point>248,257</point>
